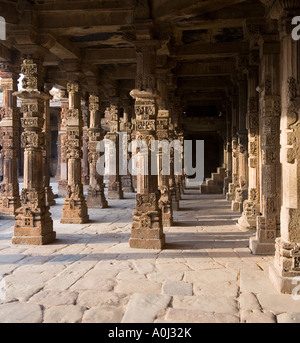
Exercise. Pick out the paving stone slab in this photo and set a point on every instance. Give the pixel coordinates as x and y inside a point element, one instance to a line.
<point>207,303</point>
<point>138,286</point>
<point>152,306</point>
<point>248,301</point>
<point>165,276</point>
<point>210,276</point>
<point>103,315</point>
<point>94,282</point>
<point>96,298</point>
<point>63,314</point>
<point>16,312</point>
<point>256,282</point>
<point>177,288</point>
<point>53,298</point>
<point>280,303</point>
<point>193,316</point>
<point>227,289</point>
<point>257,317</point>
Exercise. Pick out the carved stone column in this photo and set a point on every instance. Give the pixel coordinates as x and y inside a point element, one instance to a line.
<point>147,228</point>
<point>46,153</point>
<point>63,182</point>
<point>127,128</point>
<point>74,208</point>
<point>96,197</point>
<point>33,223</point>
<point>252,205</point>
<point>115,183</point>
<point>9,200</point>
<point>165,202</point>
<point>268,224</point>
<point>286,271</point>
<point>241,192</point>
<point>230,196</point>
<point>85,142</point>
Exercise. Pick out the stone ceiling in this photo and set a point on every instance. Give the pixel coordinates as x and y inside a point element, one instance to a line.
<point>199,40</point>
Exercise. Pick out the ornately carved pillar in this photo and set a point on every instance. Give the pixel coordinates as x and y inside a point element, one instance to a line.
<point>63,182</point>
<point>74,208</point>
<point>46,154</point>
<point>127,129</point>
<point>251,206</point>
<point>85,142</point>
<point>147,228</point>
<point>268,224</point>
<point>115,182</point>
<point>286,271</point>
<point>9,200</point>
<point>241,191</point>
<point>165,202</point>
<point>234,148</point>
<point>33,223</point>
<point>96,197</point>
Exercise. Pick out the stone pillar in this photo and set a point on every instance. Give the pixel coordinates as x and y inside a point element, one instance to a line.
<point>46,153</point>
<point>115,183</point>
<point>63,182</point>
<point>165,201</point>
<point>252,205</point>
<point>268,223</point>
<point>9,200</point>
<point>147,229</point>
<point>234,148</point>
<point>241,192</point>
<point>228,153</point>
<point>285,273</point>
<point>85,142</point>
<point>96,197</point>
<point>33,223</point>
<point>162,132</point>
<point>74,208</point>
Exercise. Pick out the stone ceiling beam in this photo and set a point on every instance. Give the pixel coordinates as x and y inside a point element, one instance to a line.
<point>164,10</point>
<point>109,56</point>
<point>208,50</point>
<point>205,68</point>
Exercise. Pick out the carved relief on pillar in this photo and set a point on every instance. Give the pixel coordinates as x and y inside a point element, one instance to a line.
<point>115,189</point>
<point>235,166</point>
<point>74,208</point>
<point>96,196</point>
<point>147,228</point>
<point>33,223</point>
<point>9,200</point>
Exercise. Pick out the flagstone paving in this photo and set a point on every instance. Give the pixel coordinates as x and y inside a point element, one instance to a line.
<point>206,273</point>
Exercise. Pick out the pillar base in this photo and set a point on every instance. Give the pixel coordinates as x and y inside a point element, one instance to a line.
<point>33,227</point>
<point>74,212</point>
<point>259,248</point>
<point>114,195</point>
<point>35,240</point>
<point>282,284</point>
<point>154,244</point>
<point>96,199</point>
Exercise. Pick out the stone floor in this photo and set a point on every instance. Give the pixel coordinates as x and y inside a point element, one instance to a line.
<point>205,274</point>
